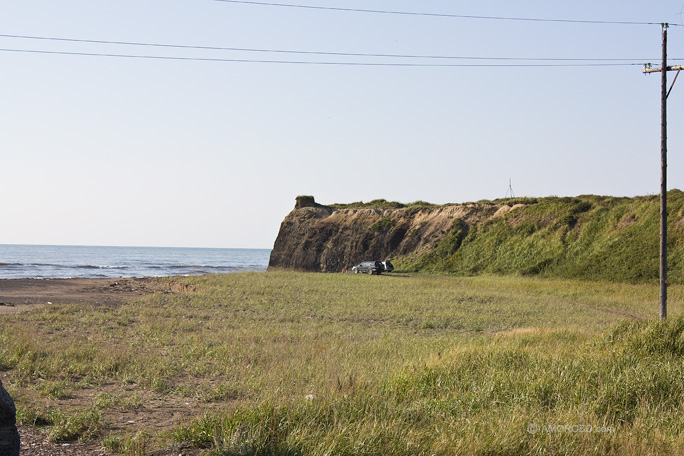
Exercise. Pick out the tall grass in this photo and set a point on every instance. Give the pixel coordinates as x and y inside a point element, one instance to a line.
<point>293,363</point>
<point>545,391</point>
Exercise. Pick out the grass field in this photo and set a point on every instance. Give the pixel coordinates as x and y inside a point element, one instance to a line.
<point>334,364</point>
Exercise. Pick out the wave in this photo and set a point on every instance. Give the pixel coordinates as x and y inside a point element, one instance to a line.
<point>84,262</point>
<point>59,266</point>
<point>182,266</point>
<point>131,266</point>
<point>71,266</point>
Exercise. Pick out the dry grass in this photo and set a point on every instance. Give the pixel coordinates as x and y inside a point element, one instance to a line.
<point>294,363</point>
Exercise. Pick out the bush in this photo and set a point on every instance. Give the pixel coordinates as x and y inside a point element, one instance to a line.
<point>383,224</point>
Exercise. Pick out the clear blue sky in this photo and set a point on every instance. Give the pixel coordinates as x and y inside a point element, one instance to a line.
<point>123,151</point>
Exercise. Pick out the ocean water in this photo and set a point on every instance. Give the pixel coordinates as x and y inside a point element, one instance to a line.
<point>59,261</point>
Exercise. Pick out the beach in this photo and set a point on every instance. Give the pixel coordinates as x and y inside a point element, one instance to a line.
<point>17,295</point>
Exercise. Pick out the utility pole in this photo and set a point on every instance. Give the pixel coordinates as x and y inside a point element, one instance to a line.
<point>663,169</point>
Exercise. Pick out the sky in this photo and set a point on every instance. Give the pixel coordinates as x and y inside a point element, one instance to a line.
<point>108,150</point>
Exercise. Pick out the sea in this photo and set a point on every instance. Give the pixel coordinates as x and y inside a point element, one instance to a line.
<point>62,261</point>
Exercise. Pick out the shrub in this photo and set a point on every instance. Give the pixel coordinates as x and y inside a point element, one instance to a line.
<point>383,224</point>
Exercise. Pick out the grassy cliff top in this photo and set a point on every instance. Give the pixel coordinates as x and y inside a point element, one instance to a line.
<point>384,204</point>
<point>381,204</point>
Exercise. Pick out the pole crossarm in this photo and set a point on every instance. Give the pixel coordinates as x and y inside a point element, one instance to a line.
<point>658,70</point>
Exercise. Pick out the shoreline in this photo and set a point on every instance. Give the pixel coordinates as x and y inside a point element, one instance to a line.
<point>20,295</point>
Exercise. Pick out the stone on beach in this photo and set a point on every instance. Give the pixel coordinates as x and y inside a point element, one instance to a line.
<point>9,436</point>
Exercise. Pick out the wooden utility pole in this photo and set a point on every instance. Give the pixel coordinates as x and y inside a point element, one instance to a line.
<point>663,170</point>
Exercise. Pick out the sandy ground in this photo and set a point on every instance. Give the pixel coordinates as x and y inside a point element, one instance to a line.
<point>17,295</point>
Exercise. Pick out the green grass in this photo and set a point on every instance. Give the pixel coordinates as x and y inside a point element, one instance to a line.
<point>128,445</point>
<point>295,363</point>
<point>588,237</point>
<point>383,224</point>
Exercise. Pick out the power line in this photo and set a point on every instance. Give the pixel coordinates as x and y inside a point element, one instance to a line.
<point>296,62</point>
<point>324,53</point>
<point>444,15</point>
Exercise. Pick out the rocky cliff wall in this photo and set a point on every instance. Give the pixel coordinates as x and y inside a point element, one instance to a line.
<point>587,237</point>
<point>320,238</point>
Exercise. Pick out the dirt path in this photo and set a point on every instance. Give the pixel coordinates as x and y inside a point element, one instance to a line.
<point>613,310</point>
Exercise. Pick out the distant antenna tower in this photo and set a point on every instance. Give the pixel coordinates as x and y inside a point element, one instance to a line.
<point>509,192</point>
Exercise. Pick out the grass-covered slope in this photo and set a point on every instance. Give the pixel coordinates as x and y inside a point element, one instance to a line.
<point>588,237</point>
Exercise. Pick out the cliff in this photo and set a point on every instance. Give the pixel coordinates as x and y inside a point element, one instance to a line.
<point>314,237</point>
<point>589,236</point>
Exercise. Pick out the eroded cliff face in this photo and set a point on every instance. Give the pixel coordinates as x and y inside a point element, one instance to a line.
<point>585,237</point>
<point>321,238</point>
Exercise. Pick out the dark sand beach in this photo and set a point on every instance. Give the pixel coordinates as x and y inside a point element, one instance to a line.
<point>17,295</point>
